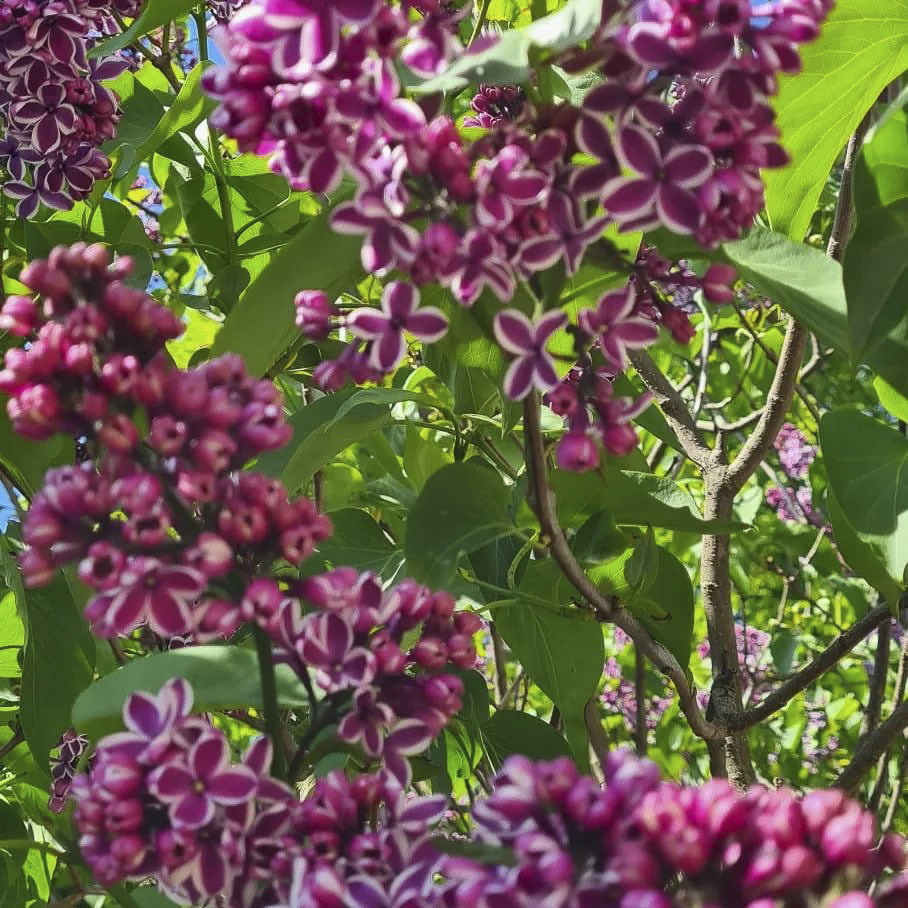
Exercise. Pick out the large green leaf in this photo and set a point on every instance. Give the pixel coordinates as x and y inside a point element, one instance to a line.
<point>809,285</point>
<point>862,48</point>
<point>510,58</point>
<point>222,677</point>
<point>867,465</point>
<point>12,637</point>
<point>511,732</point>
<point>57,662</point>
<point>637,499</point>
<point>461,508</point>
<point>358,541</point>
<point>261,326</point>
<point>325,427</point>
<point>876,258</point>
<point>862,556</point>
<point>189,107</point>
<point>563,652</point>
<point>154,14</point>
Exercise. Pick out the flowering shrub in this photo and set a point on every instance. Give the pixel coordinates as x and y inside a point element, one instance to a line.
<point>401,398</point>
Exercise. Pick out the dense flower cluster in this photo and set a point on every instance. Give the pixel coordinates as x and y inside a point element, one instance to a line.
<point>167,513</point>
<point>163,799</point>
<point>54,109</point>
<point>678,123</point>
<point>63,765</point>
<point>358,640</point>
<point>796,454</point>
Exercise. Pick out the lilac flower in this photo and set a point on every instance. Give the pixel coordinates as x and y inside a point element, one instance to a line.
<point>526,341</point>
<point>567,237</point>
<point>193,790</point>
<point>481,262</point>
<point>388,242</point>
<point>617,327</point>
<point>149,590</point>
<point>660,192</point>
<point>400,312</point>
<point>328,645</point>
<point>505,183</point>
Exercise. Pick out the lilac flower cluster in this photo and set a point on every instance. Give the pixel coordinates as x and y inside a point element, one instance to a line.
<point>642,843</point>
<point>63,765</point>
<point>796,454</point>
<point>359,640</point>
<point>163,799</point>
<point>794,504</point>
<point>54,109</point>
<point>680,127</point>
<point>165,516</point>
<point>620,696</point>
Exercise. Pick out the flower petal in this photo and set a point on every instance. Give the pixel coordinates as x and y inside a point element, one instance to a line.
<point>514,331</point>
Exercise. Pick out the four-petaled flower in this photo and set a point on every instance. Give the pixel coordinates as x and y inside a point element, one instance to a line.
<point>613,321</point>
<point>526,341</point>
<point>149,590</point>
<point>400,312</point>
<point>48,117</point>
<point>193,790</point>
<point>660,190</point>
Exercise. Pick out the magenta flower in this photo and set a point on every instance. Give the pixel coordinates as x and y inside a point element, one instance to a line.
<point>567,237</point>
<point>366,720</point>
<point>613,321</point>
<point>505,183</point>
<point>327,644</point>
<point>479,263</point>
<point>388,241</point>
<point>193,790</point>
<point>47,116</point>
<point>533,366</point>
<point>149,590</point>
<point>399,313</point>
<point>660,191</point>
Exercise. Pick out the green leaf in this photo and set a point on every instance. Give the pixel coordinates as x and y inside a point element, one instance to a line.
<point>862,47</point>
<point>462,507</point>
<point>325,427</point>
<point>876,258</point>
<point>57,664</point>
<point>895,403</point>
<point>511,732</point>
<point>261,326</point>
<point>358,541</point>
<point>189,107</point>
<point>222,677</point>
<point>154,14</point>
<point>26,461</point>
<point>801,279</point>
<point>510,59</point>
<point>563,654</point>
<point>809,285</point>
<point>866,464</point>
<point>636,499</point>
<point>643,565</point>
<point>862,556</point>
<point>12,636</point>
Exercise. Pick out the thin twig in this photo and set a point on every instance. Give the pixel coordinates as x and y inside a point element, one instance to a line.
<point>501,662</point>
<point>877,691</point>
<point>609,609</point>
<point>672,405</point>
<point>873,748</point>
<point>801,680</point>
<point>901,681</point>
<point>639,703</point>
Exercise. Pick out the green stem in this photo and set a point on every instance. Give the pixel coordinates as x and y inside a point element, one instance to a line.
<point>123,896</point>
<point>217,162</point>
<point>269,699</point>
<point>3,203</point>
<point>29,845</point>
<point>261,217</point>
<point>480,20</point>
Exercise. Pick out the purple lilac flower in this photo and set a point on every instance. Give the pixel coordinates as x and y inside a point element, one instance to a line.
<point>54,107</point>
<point>533,366</point>
<point>400,313</point>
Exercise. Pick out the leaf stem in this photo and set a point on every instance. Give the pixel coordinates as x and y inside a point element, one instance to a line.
<point>480,21</point>
<point>264,651</point>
